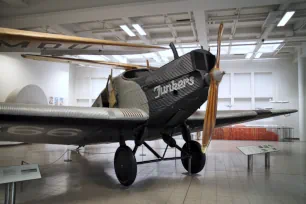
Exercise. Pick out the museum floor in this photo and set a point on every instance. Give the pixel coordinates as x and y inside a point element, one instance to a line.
<point>90,177</point>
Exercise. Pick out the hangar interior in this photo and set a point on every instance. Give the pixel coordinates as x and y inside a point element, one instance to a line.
<point>264,65</point>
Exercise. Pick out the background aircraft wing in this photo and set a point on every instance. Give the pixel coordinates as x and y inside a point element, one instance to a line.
<point>85,62</point>
<point>67,125</point>
<point>12,40</point>
<point>230,117</point>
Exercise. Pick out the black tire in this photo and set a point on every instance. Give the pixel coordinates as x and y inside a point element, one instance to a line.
<point>125,165</point>
<point>198,158</point>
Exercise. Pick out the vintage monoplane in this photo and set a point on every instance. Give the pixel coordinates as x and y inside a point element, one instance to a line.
<point>139,105</point>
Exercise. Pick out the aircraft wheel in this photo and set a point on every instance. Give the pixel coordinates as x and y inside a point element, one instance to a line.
<point>198,158</point>
<point>125,165</point>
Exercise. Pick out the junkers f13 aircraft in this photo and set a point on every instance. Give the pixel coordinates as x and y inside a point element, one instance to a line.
<point>139,105</point>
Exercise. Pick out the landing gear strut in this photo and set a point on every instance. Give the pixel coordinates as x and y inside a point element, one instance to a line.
<point>198,159</point>
<point>193,149</point>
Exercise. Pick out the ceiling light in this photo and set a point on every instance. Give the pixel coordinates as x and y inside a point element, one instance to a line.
<point>285,18</point>
<point>139,29</point>
<point>258,55</point>
<point>127,30</point>
<point>248,56</point>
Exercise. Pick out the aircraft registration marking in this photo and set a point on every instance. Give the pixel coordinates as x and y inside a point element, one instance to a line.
<point>43,45</point>
<point>32,130</point>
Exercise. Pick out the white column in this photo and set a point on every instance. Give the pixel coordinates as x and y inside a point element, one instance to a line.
<point>302,87</point>
<point>71,91</point>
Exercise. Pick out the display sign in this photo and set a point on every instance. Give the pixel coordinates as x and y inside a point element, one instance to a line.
<point>12,174</point>
<point>250,150</point>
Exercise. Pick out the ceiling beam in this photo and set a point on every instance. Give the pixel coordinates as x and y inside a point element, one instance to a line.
<point>145,38</point>
<point>299,25</point>
<point>126,10</point>
<point>193,28</point>
<point>272,18</point>
<point>233,30</point>
<point>86,33</point>
<point>201,26</point>
<point>171,27</point>
<point>62,30</point>
<point>111,28</point>
<point>16,3</point>
<point>146,27</point>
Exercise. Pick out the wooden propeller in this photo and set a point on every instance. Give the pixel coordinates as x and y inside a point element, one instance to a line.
<point>212,100</point>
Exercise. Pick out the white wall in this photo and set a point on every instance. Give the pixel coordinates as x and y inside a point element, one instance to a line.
<point>283,87</point>
<point>89,82</point>
<point>16,72</point>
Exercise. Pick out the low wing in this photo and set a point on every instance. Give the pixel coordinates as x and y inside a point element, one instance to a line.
<point>85,62</point>
<point>67,125</point>
<point>12,40</point>
<point>225,118</point>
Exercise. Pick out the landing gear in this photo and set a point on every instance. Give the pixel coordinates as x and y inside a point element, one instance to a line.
<point>125,165</point>
<point>196,163</point>
<point>125,162</point>
<point>198,159</point>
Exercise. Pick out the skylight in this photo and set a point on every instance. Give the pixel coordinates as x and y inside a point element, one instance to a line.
<point>166,53</point>
<point>244,43</point>
<point>94,57</point>
<point>258,55</point>
<point>248,56</point>
<point>224,50</point>
<point>268,48</point>
<point>242,49</point>
<point>133,56</point>
<point>190,45</point>
<point>215,44</point>
<point>120,58</point>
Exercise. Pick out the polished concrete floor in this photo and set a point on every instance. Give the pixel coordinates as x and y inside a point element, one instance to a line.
<point>90,177</point>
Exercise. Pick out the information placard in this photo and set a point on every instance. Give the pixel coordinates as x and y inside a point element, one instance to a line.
<point>12,174</point>
<point>250,150</point>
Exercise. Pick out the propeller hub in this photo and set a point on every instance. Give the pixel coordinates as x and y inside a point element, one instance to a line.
<point>217,75</point>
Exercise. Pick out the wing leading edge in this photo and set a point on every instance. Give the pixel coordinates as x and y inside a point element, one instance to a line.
<point>12,40</point>
<point>224,118</point>
<point>66,125</point>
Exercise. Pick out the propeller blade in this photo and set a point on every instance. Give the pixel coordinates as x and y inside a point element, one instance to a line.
<point>112,100</point>
<point>212,99</point>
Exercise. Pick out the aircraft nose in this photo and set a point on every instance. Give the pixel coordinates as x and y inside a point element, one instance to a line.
<point>218,75</point>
